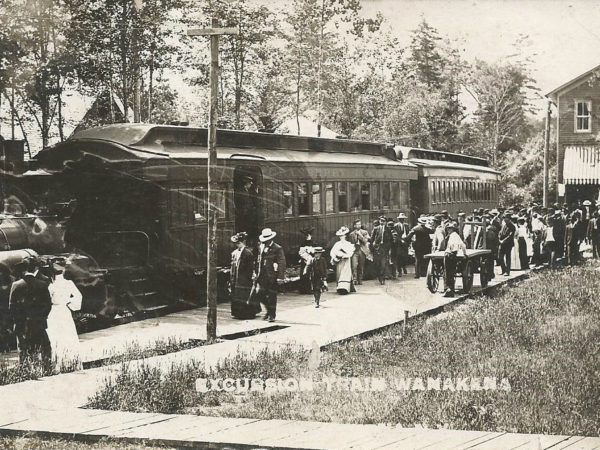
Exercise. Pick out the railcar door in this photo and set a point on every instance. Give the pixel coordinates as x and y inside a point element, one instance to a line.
<point>248,202</point>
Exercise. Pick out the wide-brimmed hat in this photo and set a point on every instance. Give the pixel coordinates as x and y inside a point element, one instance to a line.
<point>402,216</point>
<point>586,203</point>
<point>342,231</point>
<point>494,211</point>
<point>422,220</point>
<point>241,236</point>
<point>390,223</point>
<point>266,235</point>
<point>444,211</point>
<point>307,230</point>
<point>318,250</point>
<point>558,212</point>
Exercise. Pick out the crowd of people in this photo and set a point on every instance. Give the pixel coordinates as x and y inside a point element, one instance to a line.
<point>517,238</point>
<point>36,300</point>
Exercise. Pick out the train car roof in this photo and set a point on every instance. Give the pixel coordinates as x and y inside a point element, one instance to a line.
<point>146,141</point>
<point>423,157</point>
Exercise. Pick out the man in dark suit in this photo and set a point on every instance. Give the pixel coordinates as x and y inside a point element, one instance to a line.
<point>558,231</point>
<point>270,271</point>
<point>382,241</point>
<point>421,245</point>
<point>29,305</point>
<point>593,234</point>
<point>506,238</point>
<point>402,229</point>
<point>573,236</point>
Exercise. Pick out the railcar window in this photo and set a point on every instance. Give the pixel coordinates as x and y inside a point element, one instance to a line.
<point>404,195</point>
<point>288,200</point>
<point>354,197</point>
<point>302,192</point>
<point>329,198</point>
<point>442,186</point>
<point>375,195</point>
<point>386,195</point>
<point>342,189</point>
<point>433,193</point>
<point>198,202</point>
<point>316,198</point>
<point>268,198</point>
<point>463,193</point>
<point>448,195</point>
<point>395,195</point>
<point>365,196</point>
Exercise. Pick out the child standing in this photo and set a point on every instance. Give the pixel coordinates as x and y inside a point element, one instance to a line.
<point>318,274</point>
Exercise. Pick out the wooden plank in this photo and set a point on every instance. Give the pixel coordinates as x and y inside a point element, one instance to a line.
<point>218,428</point>
<point>174,429</point>
<point>579,443</point>
<point>544,441</point>
<point>117,419</point>
<point>287,433</point>
<point>470,443</point>
<point>440,437</point>
<point>386,438</point>
<point>506,441</point>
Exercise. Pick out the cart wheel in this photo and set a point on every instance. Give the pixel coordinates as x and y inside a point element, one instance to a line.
<point>433,278</point>
<point>467,277</point>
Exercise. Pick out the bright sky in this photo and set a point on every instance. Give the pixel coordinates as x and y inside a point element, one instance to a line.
<point>564,35</point>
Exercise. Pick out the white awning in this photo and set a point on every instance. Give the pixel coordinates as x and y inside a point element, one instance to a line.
<point>582,165</point>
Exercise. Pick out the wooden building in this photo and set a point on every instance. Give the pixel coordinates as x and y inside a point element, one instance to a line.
<point>578,133</point>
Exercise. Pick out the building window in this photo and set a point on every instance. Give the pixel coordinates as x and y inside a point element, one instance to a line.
<point>329,198</point>
<point>583,117</point>
<point>365,196</point>
<point>316,198</point>
<point>288,200</point>
<point>354,197</point>
<point>342,197</point>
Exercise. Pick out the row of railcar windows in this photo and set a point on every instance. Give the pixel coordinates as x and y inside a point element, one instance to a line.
<point>312,198</point>
<point>188,205</point>
<point>453,191</point>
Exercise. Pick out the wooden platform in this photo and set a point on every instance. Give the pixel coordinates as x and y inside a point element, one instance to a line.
<point>217,432</point>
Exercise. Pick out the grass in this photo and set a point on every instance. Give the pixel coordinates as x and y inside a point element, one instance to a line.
<point>34,369</point>
<point>31,442</point>
<point>541,335</point>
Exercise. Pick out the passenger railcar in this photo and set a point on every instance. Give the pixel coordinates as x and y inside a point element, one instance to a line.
<point>450,181</point>
<point>141,193</point>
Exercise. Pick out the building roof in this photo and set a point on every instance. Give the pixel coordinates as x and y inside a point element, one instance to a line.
<point>554,94</point>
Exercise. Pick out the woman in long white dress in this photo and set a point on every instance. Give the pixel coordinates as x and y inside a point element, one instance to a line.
<point>341,256</point>
<point>66,350</point>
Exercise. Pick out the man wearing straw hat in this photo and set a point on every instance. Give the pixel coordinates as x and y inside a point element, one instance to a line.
<point>454,245</point>
<point>421,245</point>
<point>401,254</point>
<point>270,271</point>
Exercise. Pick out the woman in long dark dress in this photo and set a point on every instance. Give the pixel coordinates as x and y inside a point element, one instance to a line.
<point>242,264</point>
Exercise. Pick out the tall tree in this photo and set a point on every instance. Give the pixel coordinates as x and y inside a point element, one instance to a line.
<point>503,92</point>
<point>119,46</point>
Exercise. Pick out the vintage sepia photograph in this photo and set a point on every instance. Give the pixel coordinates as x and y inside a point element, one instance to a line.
<point>299,224</point>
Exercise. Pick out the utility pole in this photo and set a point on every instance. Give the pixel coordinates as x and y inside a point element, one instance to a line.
<point>211,258</point>
<point>546,152</point>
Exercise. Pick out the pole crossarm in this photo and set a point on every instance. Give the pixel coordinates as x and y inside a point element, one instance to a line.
<point>212,31</point>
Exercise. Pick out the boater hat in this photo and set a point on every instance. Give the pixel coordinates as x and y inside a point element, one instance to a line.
<point>318,250</point>
<point>342,231</point>
<point>266,235</point>
<point>587,203</point>
<point>402,216</point>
